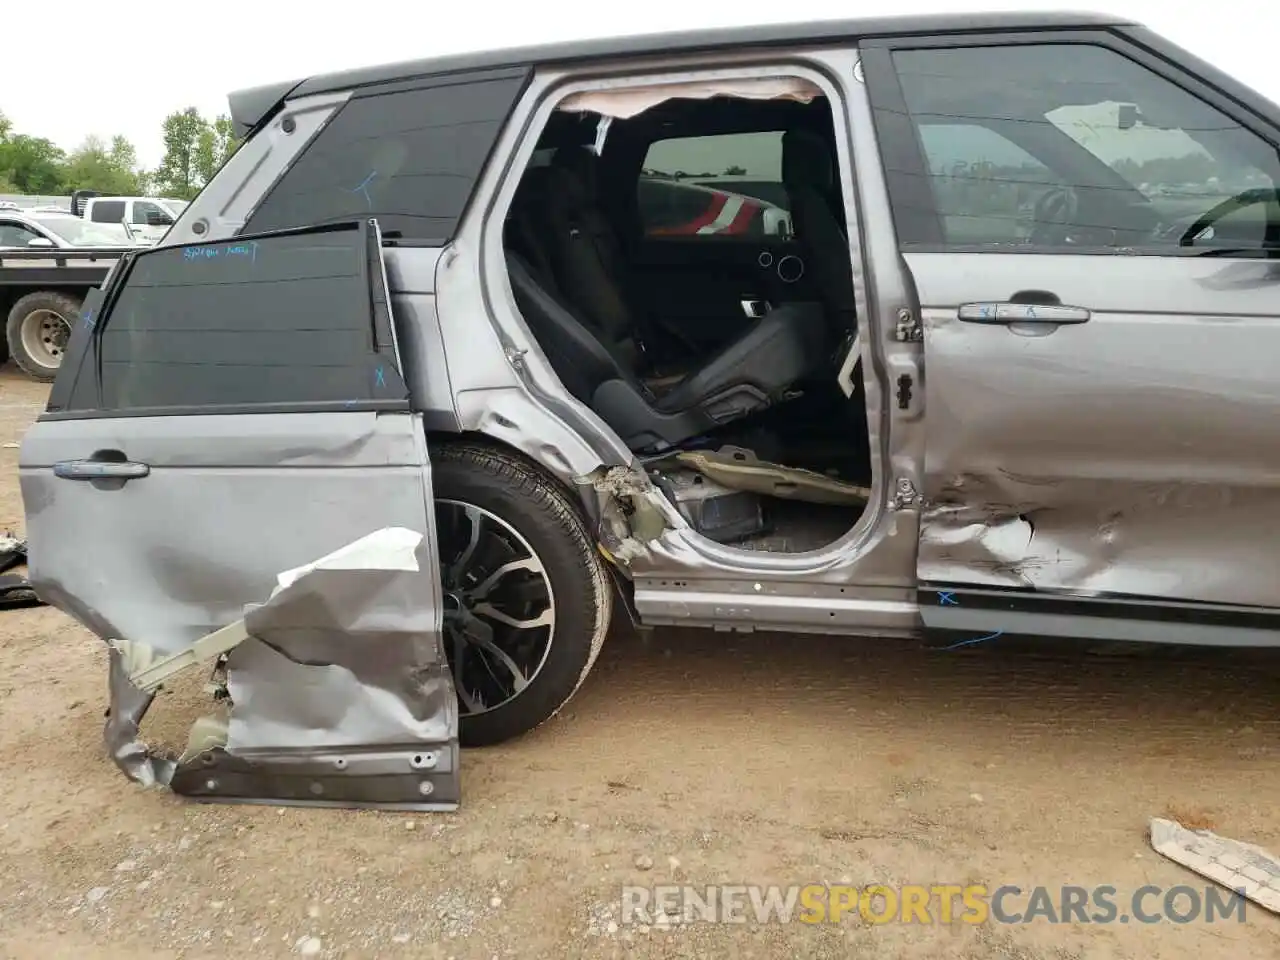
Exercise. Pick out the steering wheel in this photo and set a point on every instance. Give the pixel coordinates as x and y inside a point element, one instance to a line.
<point>1245,198</point>
<point>1053,212</point>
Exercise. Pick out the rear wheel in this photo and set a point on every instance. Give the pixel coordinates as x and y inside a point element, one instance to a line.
<point>527,600</point>
<point>38,330</point>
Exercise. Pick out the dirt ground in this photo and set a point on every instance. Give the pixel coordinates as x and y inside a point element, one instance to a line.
<point>688,757</point>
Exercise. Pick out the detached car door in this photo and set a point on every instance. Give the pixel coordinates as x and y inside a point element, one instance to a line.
<point>229,411</point>
<point>1092,232</point>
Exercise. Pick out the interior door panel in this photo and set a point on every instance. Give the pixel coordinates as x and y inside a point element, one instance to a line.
<point>694,286</point>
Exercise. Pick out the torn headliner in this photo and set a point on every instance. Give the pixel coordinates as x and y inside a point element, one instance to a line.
<point>628,102</point>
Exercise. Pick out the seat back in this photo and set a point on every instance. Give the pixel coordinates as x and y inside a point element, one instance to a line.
<point>586,254</point>
<point>809,175</point>
<point>580,359</point>
<point>528,233</point>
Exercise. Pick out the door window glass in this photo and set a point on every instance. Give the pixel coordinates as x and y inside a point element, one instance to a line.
<point>984,184</point>
<point>286,319</point>
<point>718,185</point>
<point>141,209</point>
<point>1070,145</point>
<point>15,235</point>
<point>107,211</point>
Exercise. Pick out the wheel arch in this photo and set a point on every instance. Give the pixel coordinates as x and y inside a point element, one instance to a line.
<point>581,496</point>
<point>11,294</point>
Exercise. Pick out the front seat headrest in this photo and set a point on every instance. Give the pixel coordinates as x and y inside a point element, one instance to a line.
<point>807,160</point>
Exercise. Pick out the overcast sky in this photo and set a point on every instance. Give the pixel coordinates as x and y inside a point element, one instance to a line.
<point>133,63</point>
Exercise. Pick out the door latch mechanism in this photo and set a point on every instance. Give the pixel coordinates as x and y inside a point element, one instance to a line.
<point>908,328</point>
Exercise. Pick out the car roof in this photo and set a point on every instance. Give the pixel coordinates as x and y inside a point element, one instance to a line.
<point>250,106</point>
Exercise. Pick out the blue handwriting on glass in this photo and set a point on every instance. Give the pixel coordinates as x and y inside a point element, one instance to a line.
<point>249,250</point>
<point>363,188</point>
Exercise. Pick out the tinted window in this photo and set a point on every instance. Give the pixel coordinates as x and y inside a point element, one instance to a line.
<point>266,320</point>
<point>107,211</point>
<point>15,235</point>
<point>1071,146</point>
<point>142,208</point>
<point>983,183</point>
<point>409,157</point>
<point>714,185</point>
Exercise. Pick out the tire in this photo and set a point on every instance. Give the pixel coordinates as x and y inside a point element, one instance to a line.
<point>474,480</point>
<point>35,348</point>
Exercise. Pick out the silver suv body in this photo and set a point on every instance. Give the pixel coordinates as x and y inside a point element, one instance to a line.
<point>1010,370</point>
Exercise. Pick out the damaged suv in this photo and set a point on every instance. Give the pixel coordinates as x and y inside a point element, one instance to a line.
<point>417,388</point>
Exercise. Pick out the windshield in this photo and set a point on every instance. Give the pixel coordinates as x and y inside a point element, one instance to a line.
<point>175,207</point>
<point>86,233</point>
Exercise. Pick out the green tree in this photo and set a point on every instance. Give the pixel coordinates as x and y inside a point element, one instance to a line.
<point>6,127</point>
<point>110,169</point>
<point>215,147</point>
<point>31,164</point>
<point>179,173</point>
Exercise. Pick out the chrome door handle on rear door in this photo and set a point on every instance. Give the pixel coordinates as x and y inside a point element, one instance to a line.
<point>100,470</point>
<point>1007,312</point>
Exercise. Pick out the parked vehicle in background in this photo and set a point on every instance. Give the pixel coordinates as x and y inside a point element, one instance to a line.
<point>679,208</point>
<point>149,217</point>
<point>46,228</point>
<point>48,260</point>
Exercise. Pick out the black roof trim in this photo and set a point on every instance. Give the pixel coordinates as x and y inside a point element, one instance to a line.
<point>251,106</point>
<point>245,104</point>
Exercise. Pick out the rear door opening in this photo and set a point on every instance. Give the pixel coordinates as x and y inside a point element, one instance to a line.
<point>681,255</point>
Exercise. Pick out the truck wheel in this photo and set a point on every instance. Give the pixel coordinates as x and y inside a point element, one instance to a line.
<point>527,599</point>
<point>38,330</point>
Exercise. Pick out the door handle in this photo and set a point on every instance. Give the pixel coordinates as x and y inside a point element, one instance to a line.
<point>100,470</point>
<point>1009,312</point>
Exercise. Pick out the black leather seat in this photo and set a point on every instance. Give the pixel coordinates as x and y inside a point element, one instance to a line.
<point>526,228</point>
<point>809,176</point>
<point>586,254</point>
<point>756,370</point>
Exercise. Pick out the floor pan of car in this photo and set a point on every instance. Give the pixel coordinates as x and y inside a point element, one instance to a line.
<point>739,469</point>
<point>796,527</point>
